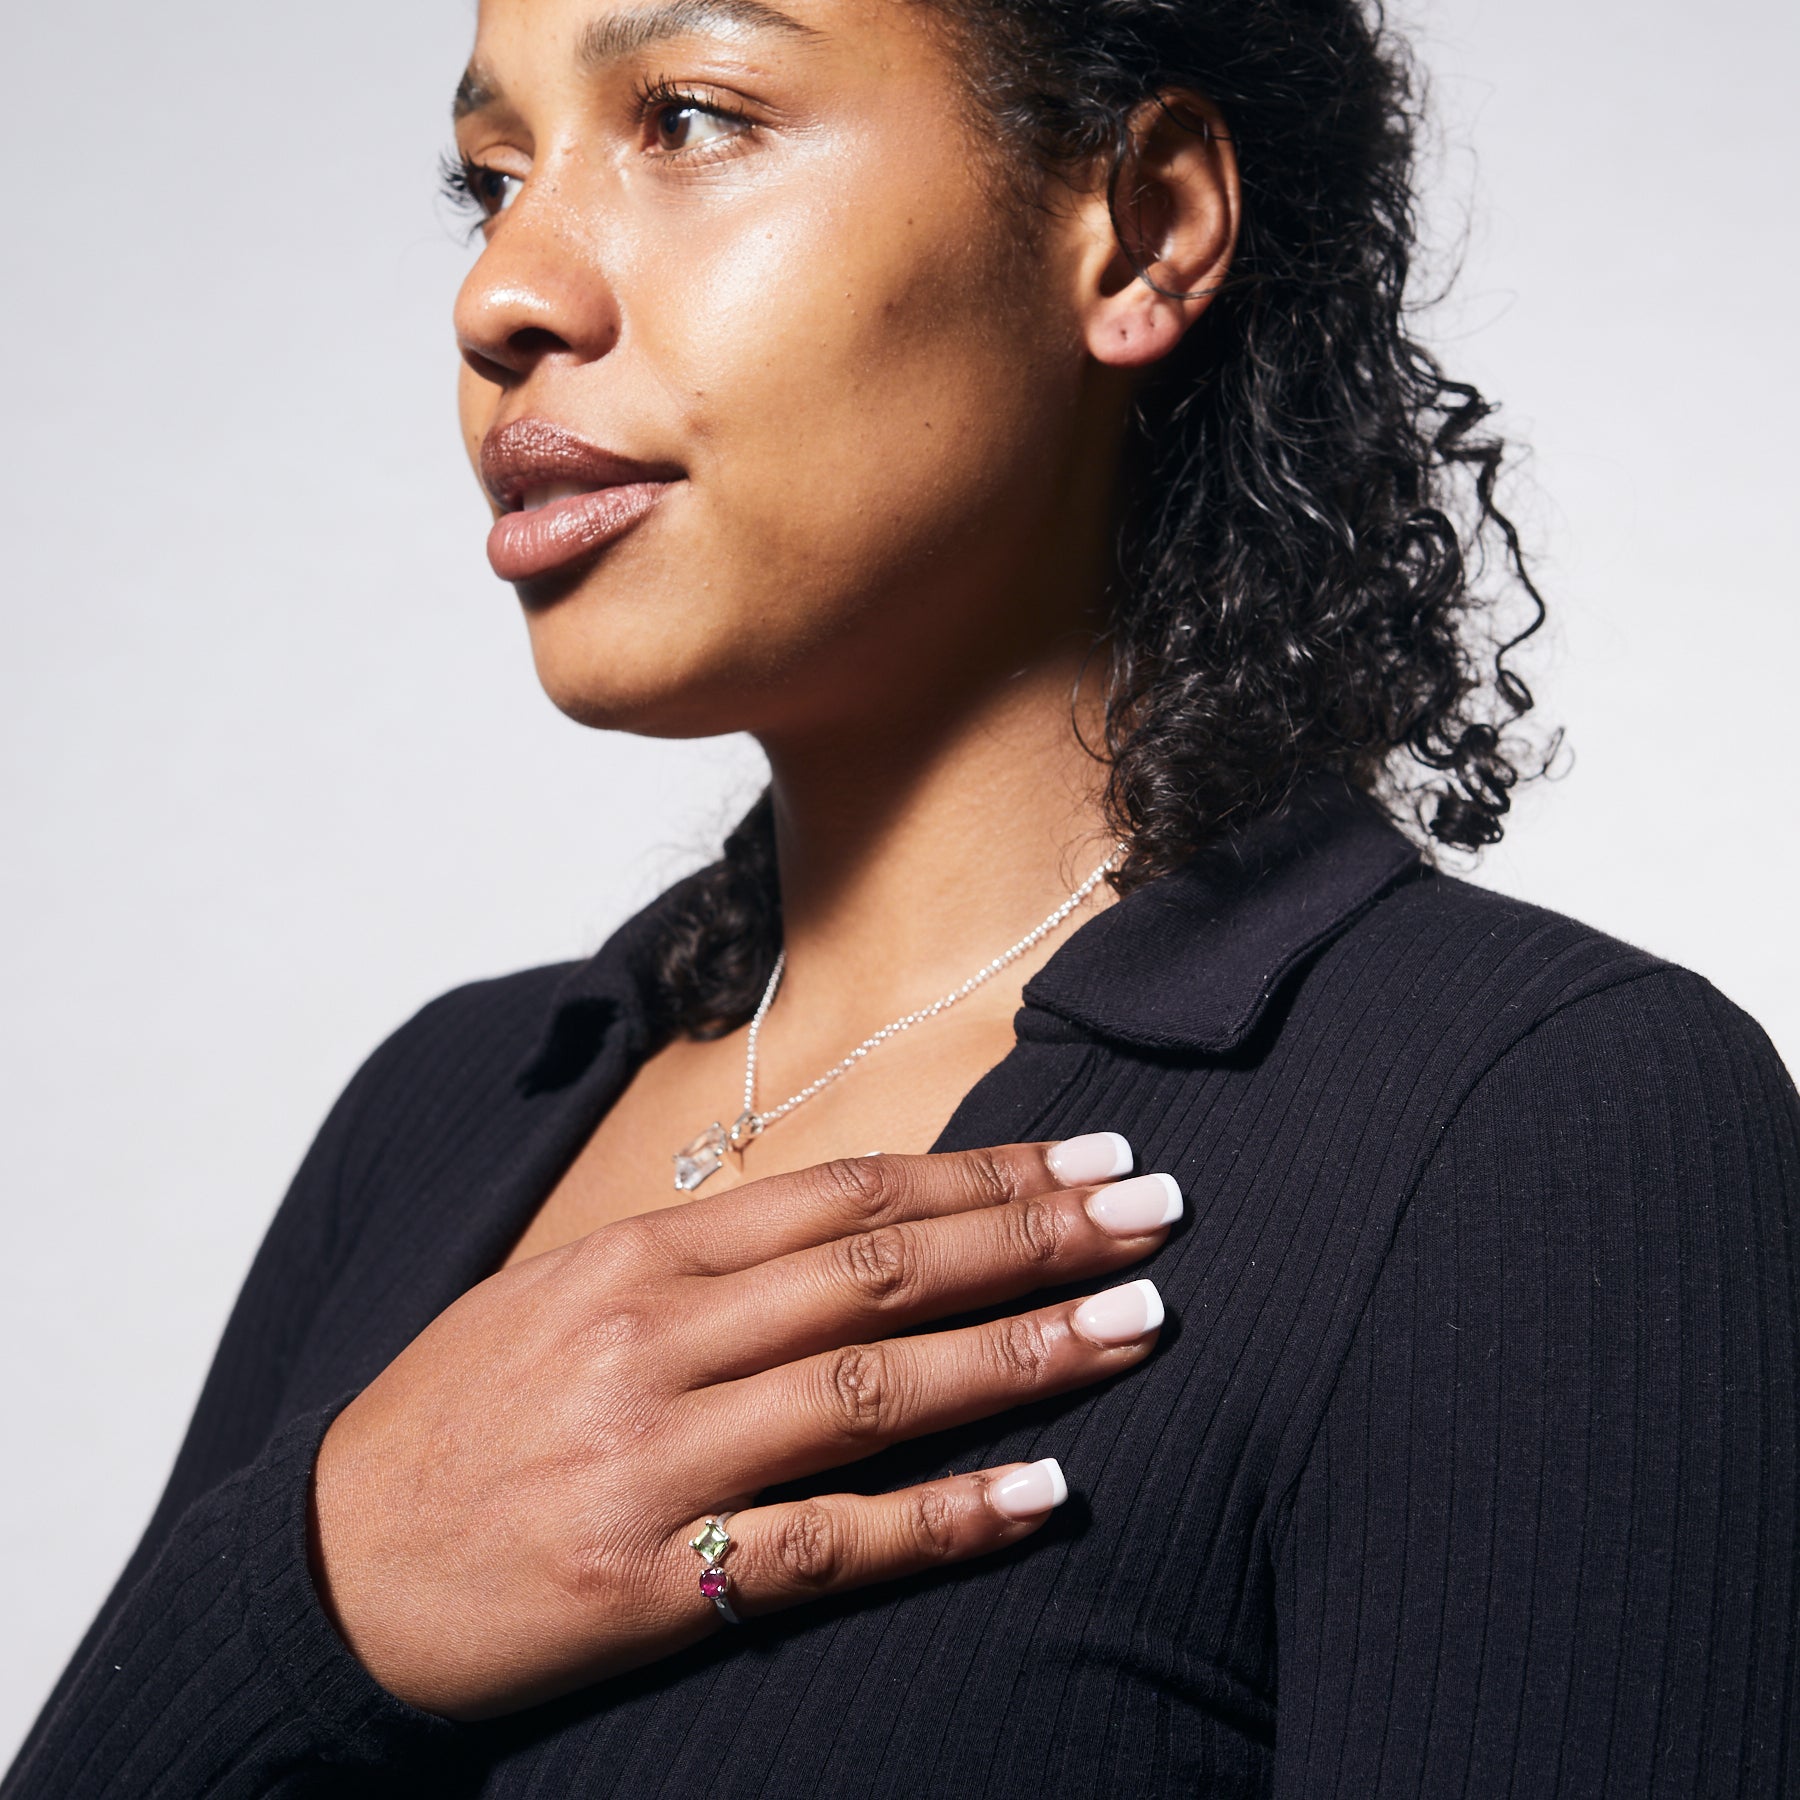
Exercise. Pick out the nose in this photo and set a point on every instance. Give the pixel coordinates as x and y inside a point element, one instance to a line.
<point>537,292</point>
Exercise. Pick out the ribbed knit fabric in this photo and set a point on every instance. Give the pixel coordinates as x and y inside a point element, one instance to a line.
<point>1466,1466</point>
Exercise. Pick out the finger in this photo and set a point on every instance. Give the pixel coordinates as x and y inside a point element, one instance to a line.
<point>783,1213</point>
<point>801,1550</point>
<point>874,1283</point>
<point>830,1409</point>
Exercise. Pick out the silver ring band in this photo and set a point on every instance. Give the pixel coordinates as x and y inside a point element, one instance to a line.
<point>710,1544</point>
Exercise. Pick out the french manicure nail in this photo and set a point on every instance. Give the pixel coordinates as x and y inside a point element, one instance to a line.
<point>1099,1156</point>
<point>1129,1208</point>
<point>1121,1315</point>
<point>1037,1488</point>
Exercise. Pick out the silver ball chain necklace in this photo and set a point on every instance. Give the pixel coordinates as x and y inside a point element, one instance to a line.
<point>705,1154</point>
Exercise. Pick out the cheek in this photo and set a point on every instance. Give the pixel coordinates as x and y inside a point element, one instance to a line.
<point>861,377</point>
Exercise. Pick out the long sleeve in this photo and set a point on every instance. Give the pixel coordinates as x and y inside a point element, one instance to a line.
<point>1545,1540</point>
<point>211,1670</point>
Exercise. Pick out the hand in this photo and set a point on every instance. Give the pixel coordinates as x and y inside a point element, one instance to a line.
<point>504,1513</point>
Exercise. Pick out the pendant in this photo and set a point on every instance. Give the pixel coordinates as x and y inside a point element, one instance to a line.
<point>700,1157</point>
<point>705,1155</point>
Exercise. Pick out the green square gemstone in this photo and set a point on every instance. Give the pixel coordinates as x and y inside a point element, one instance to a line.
<point>712,1541</point>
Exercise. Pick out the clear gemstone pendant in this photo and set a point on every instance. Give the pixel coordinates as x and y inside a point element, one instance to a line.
<point>700,1157</point>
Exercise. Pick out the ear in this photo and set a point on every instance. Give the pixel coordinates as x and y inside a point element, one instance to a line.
<point>1162,227</point>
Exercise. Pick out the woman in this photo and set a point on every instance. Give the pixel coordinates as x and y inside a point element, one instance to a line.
<point>1303,1324</point>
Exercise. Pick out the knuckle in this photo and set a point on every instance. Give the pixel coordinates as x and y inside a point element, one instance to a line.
<point>1021,1350</point>
<point>1039,1228</point>
<point>615,1253</point>
<point>931,1523</point>
<point>630,1238</point>
<point>880,1266</point>
<point>856,1389</point>
<point>992,1177</point>
<point>867,1187</point>
<point>807,1546</point>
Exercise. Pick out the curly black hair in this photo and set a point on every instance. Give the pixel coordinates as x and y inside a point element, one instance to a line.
<point>1301,564</point>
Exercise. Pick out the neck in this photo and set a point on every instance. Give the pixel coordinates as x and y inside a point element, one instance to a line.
<point>912,854</point>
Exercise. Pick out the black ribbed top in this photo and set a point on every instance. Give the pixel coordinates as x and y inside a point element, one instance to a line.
<point>1466,1465</point>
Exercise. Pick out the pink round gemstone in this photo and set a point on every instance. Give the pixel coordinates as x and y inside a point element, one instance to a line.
<point>712,1583</point>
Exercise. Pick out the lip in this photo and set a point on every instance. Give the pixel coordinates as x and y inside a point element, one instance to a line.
<point>526,456</point>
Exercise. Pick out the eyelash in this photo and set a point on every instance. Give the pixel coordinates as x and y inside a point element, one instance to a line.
<point>666,92</point>
<point>461,181</point>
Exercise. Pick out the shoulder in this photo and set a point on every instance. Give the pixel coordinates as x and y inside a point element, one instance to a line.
<point>1493,982</point>
<point>502,1015</point>
<point>1651,1073</point>
<point>483,1059</point>
<point>1480,946</point>
<point>433,1109</point>
<point>475,1037</point>
<point>458,1058</point>
<point>1602,1098</point>
<point>1504,1058</point>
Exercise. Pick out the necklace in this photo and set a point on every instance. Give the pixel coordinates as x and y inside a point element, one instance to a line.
<point>705,1154</point>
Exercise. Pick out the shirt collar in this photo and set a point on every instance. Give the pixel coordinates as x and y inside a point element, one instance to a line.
<point>1191,960</point>
<point>1188,962</point>
<point>593,997</point>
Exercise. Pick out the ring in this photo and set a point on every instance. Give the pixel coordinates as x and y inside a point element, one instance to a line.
<point>711,1542</point>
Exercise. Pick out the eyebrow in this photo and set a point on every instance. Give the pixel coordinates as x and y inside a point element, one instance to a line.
<point>474,92</point>
<point>623,34</point>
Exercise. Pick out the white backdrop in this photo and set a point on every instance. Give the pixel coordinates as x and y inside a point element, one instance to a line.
<point>275,766</point>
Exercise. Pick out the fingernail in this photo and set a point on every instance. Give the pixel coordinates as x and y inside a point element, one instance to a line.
<point>1129,1208</point>
<point>1037,1488</point>
<point>1121,1315</point>
<point>1100,1156</point>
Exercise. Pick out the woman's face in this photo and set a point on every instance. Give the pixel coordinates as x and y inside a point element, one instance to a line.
<point>806,400</point>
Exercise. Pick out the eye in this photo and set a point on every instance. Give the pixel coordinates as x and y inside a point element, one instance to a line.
<point>479,190</point>
<point>681,122</point>
<point>493,190</point>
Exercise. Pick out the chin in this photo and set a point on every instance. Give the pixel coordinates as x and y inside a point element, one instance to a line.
<point>649,659</point>
<point>651,707</point>
<point>611,689</point>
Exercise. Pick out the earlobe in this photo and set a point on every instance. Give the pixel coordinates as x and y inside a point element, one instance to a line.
<point>1171,218</point>
<point>1140,333</point>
